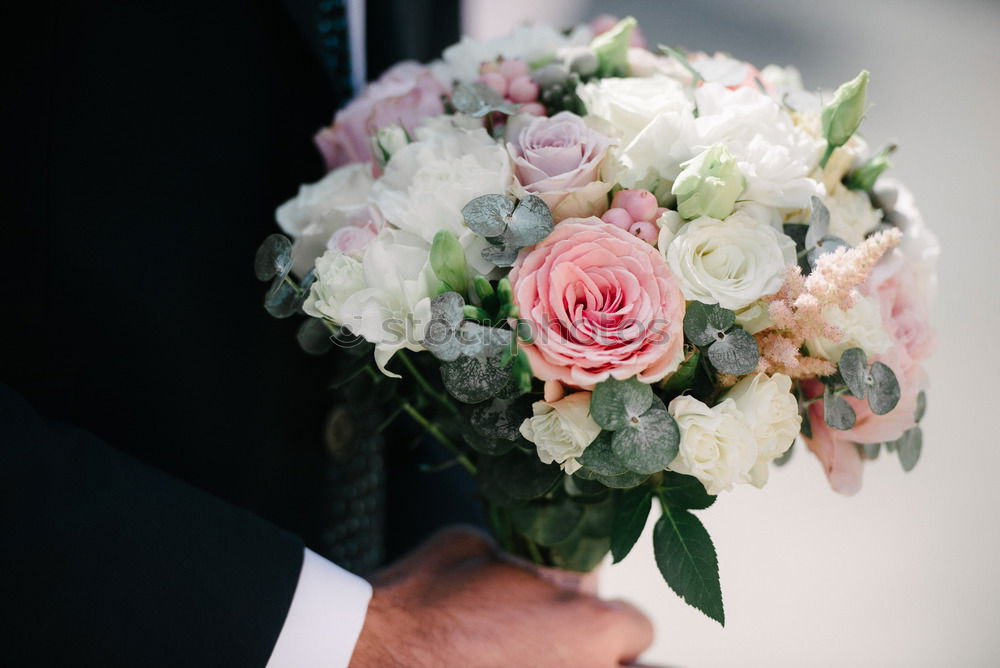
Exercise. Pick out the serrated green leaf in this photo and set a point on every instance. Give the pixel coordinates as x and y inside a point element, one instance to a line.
<point>684,491</point>
<point>615,402</point>
<point>686,558</point>
<point>736,352</point>
<point>631,511</point>
<point>649,443</point>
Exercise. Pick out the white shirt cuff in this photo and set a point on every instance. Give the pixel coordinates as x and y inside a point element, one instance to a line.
<point>325,618</point>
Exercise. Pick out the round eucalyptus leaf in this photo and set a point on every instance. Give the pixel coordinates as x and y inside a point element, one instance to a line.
<point>827,244</point>
<point>274,257</point>
<point>883,393</point>
<point>580,553</point>
<point>521,475</point>
<point>837,412</point>
<point>488,445</point>
<point>585,490</point>
<point>600,458</point>
<point>853,368</point>
<point>283,298</point>
<point>649,443</point>
<point>921,406</point>
<point>624,481</point>
<point>500,418</point>
<point>475,379</point>
<point>909,446</point>
<point>819,222</point>
<point>614,402</point>
<point>870,450</point>
<point>547,523</point>
<point>734,352</point>
<point>704,322</point>
<point>449,308</point>
<point>531,221</point>
<point>487,215</point>
<point>314,337</point>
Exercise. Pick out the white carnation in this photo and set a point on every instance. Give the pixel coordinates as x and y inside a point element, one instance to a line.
<point>717,444</point>
<point>561,430</point>
<point>861,326</point>
<point>851,214</point>
<point>733,262</point>
<point>338,277</point>
<point>772,412</point>
<point>322,208</point>
<point>427,183</point>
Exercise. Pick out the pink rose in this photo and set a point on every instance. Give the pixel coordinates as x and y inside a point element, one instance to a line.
<point>361,227</point>
<point>406,94</point>
<point>559,159</point>
<point>600,303</point>
<point>906,313</point>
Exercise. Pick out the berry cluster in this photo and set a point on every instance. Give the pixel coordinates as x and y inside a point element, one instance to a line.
<point>635,211</point>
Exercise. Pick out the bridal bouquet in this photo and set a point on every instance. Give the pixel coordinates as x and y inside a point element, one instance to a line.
<point>608,277</point>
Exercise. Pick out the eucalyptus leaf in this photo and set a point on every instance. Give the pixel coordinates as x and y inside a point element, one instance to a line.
<point>589,542</point>
<point>530,222</point>
<point>501,418</point>
<point>909,446</point>
<point>735,352</point>
<point>631,512</point>
<point>520,475</point>
<point>624,481</point>
<point>649,443</point>
<point>547,523</point>
<point>827,244</point>
<point>447,312</point>
<point>600,458</point>
<point>870,450</point>
<point>686,558</point>
<point>488,445</point>
<point>853,368</point>
<point>884,393</point>
<point>703,323</point>
<point>273,258</point>
<point>314,337</point>
<point>477,374</point>
<point>283,299</point>
<point>819,222</point>
<point>837,413</point>
<point>584,490</point>
<point>615,402</point>
<point>487,215</point>
<point>921,406</point>
<point>684,491</point>
<point>477,99</point>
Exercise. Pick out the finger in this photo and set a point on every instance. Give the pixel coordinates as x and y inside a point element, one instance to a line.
<point>635,630</point>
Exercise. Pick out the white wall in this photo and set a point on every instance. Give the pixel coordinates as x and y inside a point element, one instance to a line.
<point>906,573</point>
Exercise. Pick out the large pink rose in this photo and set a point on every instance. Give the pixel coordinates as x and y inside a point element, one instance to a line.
<point>600,303</point>
<point>906,313</point>
<point>559,159</point>
<point>406,94</point>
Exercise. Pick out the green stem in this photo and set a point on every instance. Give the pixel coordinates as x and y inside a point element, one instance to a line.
<point>424,384</point>
<point>433,430</point>
<point>535,553</point>
<point>830,148</point>
<point>295,286</point>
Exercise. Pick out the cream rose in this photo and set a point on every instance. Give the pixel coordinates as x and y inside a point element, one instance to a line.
<point>732,263</point>
<point>851,214</point>
<point>561,430</point>
<point>772,412</point>
<point>861,326</point>
<point>717,444</point>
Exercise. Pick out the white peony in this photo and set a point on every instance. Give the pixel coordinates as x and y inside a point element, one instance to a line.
<point>392,308</point>
<point>338,200</point>
<point>338,277</point>
<point>861,326</point>
<point>427,183</point>
<point>772,412</point>
<point>717,444</point>
<point>530,43</point>
<point>851,214</point>
<point>561,430</point>
<point>732,262</point>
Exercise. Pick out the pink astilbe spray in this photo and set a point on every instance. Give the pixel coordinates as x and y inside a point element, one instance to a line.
<point>797,308</point>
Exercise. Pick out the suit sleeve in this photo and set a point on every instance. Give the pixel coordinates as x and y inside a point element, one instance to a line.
<point>108,562</point>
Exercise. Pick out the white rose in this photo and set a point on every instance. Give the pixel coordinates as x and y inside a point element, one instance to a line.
<point>733,262</point>
<point>852,215</point>
<point>322,208</point>
<point>772,412</point>
<point>861,326</point>
<point>427,183</point>
<point>717,445</point>
<point>561,430</point>
<point>392,309</point>
<point>338,277</point>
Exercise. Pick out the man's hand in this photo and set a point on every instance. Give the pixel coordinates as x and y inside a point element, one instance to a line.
<point>453,603</point>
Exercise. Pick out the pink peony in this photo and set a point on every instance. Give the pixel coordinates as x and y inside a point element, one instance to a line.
<point>600,303</point>
<point>559,159</point>
<point>406,94</point>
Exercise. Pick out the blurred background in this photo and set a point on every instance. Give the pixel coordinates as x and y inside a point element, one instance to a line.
<point>907,572</point>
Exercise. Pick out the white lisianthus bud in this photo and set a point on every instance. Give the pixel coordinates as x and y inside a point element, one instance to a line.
<point>338,276</point>
<point>387,141</point>
<point>709,184</point>
<point>717,444</point>
<point>561,430</point>
<point>772,412</point>
<point>843,115</point>
<point>861,326</point>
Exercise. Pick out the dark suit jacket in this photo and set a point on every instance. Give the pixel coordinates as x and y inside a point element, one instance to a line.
<point>145,148</point>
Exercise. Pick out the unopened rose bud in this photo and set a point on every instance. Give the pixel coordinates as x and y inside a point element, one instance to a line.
<point>709,185</point>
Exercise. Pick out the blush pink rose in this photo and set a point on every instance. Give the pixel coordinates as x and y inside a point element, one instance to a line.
<point>406,94</point>
<point>906,314</point>
<point>559,159</point>
<point>601,303</point>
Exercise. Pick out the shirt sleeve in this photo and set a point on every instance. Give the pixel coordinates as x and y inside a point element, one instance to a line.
<point>325,618</point>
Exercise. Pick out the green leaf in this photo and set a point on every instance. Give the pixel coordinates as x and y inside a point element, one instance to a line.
<point>870,450</point>
<point>611,48</point>
<point>487,296</point>
<point>274,257</point>
<point>477,373</point>
<point>884,391</point>
<point>837,413</point>
<point>686,559</point>
<point>615,402</point>
<point>684,491</point>
<point>584,490</point>
<point>853,368</point>
<point>448,261</point>
<point>819,222</point>
<point>734,352</point>
<point>842,117</point>
<point>631,512</point>
<point>477,100</point>
<point>649,443</point>
<point>530,222</point>
<point>921,406</point>
<point>519,474</point>
<point>488,445</point>
<point>683,378</point>
<point>584,549</point>
<point>314,337</point>
<point>547,523</point>
<point>600,458</point>
<point>865,176</point>
<point>703,323</point>
<point>283,298</point>
<point>521,373</point>
<point>909,446</point>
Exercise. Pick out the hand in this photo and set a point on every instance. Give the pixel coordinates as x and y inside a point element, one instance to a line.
<point>453,603</point>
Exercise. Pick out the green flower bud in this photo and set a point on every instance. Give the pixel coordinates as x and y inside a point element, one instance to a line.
<point>864,177</point>
<point>843,115</point>
<point>387,141</point>
<point>612,49</point>
<point>709,185</point>
<point>448,261</point>
<point>522,373</point>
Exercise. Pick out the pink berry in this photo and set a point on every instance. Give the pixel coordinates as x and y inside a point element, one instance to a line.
<point>523,89</point>
<point>514,68</point>
<point>618,217</point>
<point>645,230</point>
<point>495,81</point>
<point>641,204</point>
<point>533,108</point>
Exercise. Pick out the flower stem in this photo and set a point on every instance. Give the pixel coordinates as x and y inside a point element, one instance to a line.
<point>830,148</point>
<point>424,384</point>
<point>433,430</point>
